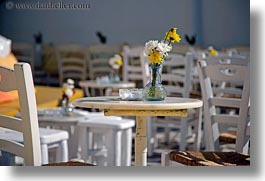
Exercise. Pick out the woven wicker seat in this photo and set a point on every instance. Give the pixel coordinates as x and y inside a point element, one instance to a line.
<point>228,137</point>
<point>70,163</point>
<point>191,158</point>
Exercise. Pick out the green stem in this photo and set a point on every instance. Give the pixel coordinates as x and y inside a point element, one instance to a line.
<point>154,74</point>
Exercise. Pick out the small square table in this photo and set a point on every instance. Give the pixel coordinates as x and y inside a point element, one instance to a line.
<point>57,119</point>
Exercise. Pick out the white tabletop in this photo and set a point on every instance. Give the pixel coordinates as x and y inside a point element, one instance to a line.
<point>114,102</point>
<point>56,115</point>
<point>95,84</point>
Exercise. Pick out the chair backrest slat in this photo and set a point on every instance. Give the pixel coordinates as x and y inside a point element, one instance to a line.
<point>10,123</point>
<point>176,74</point>
<point>7,80</point>
<point>71,58</point>
<point>135,66</point>
<point>12,147</point>
<point>225,102</point>
<point>98,57</point>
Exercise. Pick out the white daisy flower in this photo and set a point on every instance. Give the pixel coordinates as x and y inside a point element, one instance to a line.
<point>150,47</point>
<point>115,62</point>
<point>163,48</point>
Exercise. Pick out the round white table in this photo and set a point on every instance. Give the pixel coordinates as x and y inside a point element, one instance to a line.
<point>103,85</point>
<point>114,106</point>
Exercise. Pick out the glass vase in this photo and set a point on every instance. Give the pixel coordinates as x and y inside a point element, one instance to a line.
<point>154,90</point>
<point>114,76</point>
<point>66,106</point>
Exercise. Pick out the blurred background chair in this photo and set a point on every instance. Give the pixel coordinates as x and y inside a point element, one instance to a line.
<point>238,50</point>
<point>98,61</point>
<point>135,66</point>
<point>99,56</point>
<point>72,62</point>
<point>230,72</point>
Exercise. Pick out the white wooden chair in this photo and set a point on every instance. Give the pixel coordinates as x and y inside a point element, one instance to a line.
<point>72,62</point>
<point>36,141</point>
<point>177,82</point>
<point>135,66</point>
<point>106,141</point>
<point>238,50</point>
<point>21,79</point>
<point>99,56</point>
<point>227,72</point>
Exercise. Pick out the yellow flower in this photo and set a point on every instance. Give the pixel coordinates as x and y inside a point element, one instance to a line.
<point>213,52</point>
<point>118,62</point>
<point>115,61</point>
<point>173,36</point>
<point>155,57</point>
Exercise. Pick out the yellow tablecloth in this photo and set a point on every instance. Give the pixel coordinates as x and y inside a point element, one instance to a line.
<point>46,97</point>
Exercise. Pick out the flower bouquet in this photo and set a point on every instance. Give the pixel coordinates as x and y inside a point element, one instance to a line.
<point>68,92</point>
<point>115,63</point>
<point>156,53</point>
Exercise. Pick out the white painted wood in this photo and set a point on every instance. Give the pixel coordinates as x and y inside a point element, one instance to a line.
<point>62,151</point>
<point>44,154</point>
<point>99,56</point>
<point>114,129</point>
<point>72,62</point>
<point>29,121</point>
<point>135,65</point>
<point>90,84</point>
<point>11,123</point>
<point>114,102</point>
<point>7,79</point>
<point>225,102</point>
<point>28,124</point>
<point>16,148</point>
<point>128,145</point>
<point>227,60</point>
<point>54,119</point>
<point>212,118</point>
<point>198,127</point>
<point>117,147</point>
<point>165,161</point>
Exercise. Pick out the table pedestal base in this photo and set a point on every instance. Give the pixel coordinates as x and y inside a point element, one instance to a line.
<point>140,142</point>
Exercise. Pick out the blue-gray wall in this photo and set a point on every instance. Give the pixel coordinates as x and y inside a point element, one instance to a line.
<point>215,22</point>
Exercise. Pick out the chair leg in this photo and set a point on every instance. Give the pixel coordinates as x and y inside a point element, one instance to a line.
<point>150,137</point>
<point>114,147</point>
<point>83,142</point>
<point>198,139</point>
<point>183,134</point>
<point>117,147</point>
<point>128,146</point>
<point>44,154</point>
<point>165,159</point>
<point>62,152</point>
<point>167,134</point>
